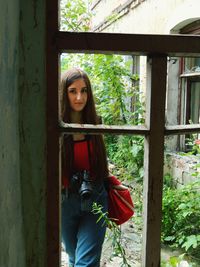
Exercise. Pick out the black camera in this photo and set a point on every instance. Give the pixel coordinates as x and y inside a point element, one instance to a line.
<point>75,181</point>
<point>86,189</point>
<point>81,183</point>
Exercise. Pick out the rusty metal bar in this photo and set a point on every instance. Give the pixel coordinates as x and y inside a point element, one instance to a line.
<point>138,44</point>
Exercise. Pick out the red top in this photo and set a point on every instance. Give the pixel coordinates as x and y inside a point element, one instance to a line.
<point>82,162</point>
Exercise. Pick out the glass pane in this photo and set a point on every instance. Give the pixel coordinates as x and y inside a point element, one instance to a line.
<point>182,90</point>
<point>191,65</point>
<point>195,102</point>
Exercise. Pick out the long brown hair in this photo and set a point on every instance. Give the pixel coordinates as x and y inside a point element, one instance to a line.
<point>89,116</point>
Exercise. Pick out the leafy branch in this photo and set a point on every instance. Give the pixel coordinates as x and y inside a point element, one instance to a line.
<point>116,233</point>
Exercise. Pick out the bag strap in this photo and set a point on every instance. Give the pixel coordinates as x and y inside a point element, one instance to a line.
<point>124,200</point>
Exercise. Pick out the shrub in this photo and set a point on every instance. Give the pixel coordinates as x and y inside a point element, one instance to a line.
<point>181,217</point>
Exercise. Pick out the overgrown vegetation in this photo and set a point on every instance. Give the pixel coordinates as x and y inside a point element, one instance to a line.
<point>117,248</point>
<point>74,16</point>
<point>181,216</point>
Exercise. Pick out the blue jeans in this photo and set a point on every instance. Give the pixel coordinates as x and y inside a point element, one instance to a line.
<point>82,235</point>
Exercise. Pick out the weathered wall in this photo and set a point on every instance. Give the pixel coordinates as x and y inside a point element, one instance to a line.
<point>142,16</point>
<point>12,247</point>
<point>22,134</point>
<point>32,95</point>
<point>183,169</point>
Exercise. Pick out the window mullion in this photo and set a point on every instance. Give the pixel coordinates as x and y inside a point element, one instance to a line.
<point>153,160</point>
<point>53,152</point>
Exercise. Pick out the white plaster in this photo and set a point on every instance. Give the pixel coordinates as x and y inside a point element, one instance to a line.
<point>182,15</point>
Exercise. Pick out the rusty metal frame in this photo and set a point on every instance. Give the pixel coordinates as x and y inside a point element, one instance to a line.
<point>157,48</point>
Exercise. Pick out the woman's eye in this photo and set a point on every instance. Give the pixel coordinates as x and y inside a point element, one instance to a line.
<point>72,90</point>
<point>84,90</point>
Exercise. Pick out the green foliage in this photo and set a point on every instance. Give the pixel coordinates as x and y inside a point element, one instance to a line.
<point>181,217</point>
<point>173,261</point>
<point>74,15</point>
<point>117,247</point>
<point>128,156</point>
<point>192,144</point>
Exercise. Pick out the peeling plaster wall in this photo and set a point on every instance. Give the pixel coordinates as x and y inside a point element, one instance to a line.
<point>22,134</point>
<point>12,247</point>
<point>32,95</point>
<point>142,16</point>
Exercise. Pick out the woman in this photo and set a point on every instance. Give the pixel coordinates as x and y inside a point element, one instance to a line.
<point>84,172</point>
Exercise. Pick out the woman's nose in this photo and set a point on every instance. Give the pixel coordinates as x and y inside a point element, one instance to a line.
<point>78,96</point>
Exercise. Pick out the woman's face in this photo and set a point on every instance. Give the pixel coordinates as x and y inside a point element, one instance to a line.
<point>77,95</point>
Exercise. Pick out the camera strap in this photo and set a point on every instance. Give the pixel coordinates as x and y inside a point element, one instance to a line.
<point>89,150</point>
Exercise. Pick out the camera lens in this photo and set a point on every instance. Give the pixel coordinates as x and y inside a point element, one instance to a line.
<point>86,189</point>
<point>86,186</point>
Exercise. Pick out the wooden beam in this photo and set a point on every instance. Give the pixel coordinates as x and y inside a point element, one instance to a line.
<point>53,181</point>
<point>153,160</point>
<point>138,44</point>
<point>99,129</point>
<point>182,129</point>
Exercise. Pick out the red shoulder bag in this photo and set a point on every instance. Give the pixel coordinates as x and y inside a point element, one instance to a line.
<point>120,205</point>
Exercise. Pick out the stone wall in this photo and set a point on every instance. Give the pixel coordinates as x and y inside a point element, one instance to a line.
<point>182,167</point>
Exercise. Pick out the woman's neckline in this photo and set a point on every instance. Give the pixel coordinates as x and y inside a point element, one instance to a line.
<point>81,139</point>
<point>78,137</point>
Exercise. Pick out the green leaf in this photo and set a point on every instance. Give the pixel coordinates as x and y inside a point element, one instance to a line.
<point>182,206</point>
<point>174,261</point>
<point>191,241</point>
<point>169,238</point>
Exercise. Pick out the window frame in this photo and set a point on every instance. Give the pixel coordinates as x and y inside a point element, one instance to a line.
<point>157,48</point>
<point>187,78</point>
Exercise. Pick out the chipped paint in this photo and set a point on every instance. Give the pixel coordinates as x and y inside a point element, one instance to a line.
<point>22,133</point>
<point>32,127</point>
<point>12,245</point>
